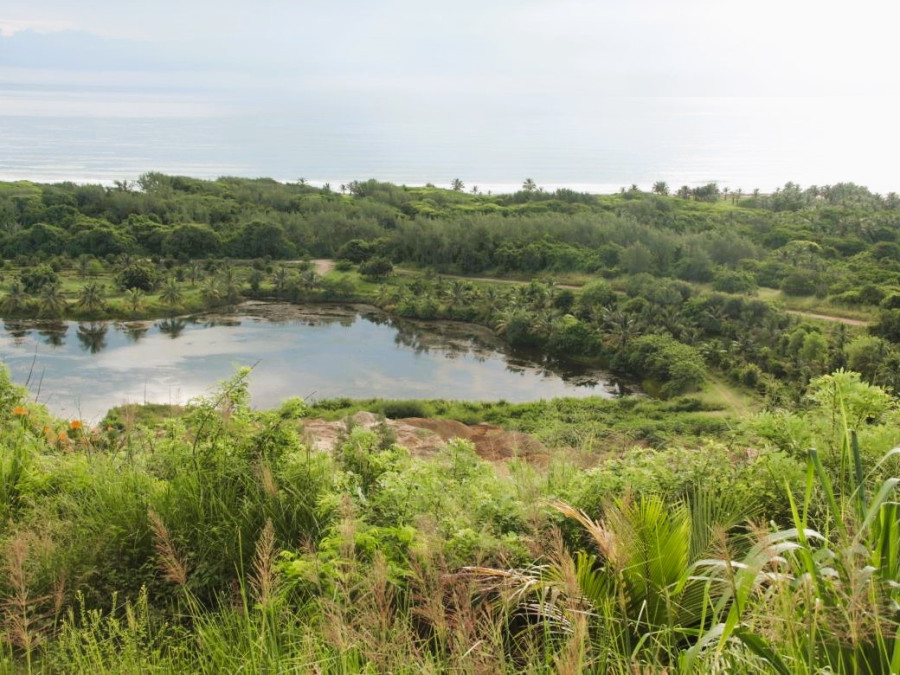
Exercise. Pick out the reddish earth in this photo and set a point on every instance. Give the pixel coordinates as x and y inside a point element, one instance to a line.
<point>423,437</point>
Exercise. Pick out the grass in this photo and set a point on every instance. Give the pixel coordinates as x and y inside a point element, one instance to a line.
<point>211,540</point>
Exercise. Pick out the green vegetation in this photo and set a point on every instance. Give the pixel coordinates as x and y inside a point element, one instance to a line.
<point>212,538</point>
<point>741,517</point>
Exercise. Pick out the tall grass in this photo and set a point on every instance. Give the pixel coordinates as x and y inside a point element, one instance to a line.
<point>216,542</point>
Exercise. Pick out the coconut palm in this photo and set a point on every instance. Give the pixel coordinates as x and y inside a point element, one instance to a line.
<point>280,280</point>
<point>194,272</point>
<point>16,299</point>
<point>171,293</point>
<point>134,298</point>
<point>211,292</point>
<point>91,297</point>
<point>52,301</point>
<point>84,263</point>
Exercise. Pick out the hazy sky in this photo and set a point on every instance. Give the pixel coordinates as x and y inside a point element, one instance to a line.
<point>561,47</point>
<point>484,60</point>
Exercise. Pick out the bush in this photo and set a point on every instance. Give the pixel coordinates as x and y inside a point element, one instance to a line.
<point>730,281</point>
<point>677,366</point>
<point>343,265</point>
<point>377,267</point>
<point>141,275</point>
<point>34,279</point>
<point>400,409</point>
<point>800,283</point>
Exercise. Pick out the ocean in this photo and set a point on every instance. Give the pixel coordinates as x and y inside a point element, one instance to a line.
<point>89,134</point>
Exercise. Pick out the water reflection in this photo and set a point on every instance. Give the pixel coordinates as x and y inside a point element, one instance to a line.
<point>92,336</point>
<point>172,327</point>
<point>133,330</point>
<point>17,330</point>
<point>332,350</point>
<point>53,332</point>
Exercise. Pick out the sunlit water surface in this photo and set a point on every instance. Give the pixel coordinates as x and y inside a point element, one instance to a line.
<point>83,369</point>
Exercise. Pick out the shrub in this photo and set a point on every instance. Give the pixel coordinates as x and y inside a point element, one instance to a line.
<point>377,267</point>
<point>35,279</point>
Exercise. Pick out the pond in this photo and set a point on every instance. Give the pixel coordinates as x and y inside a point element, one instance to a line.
<point>319,351</point>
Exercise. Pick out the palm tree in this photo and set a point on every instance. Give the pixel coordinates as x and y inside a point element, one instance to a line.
<point>619,327</point>
<point>91,297</point>
<point>529,185</point>
<point>194,272</point>
<point>660,187</point>
<point>280,280</point>
<point>16,299</point>
<point>457,185</point>
<point>52,301</point>
<point>211,292</point>
<point>309,279</point>
<point>84,262</point>
<point>134,298</point>
<point>171,293</point>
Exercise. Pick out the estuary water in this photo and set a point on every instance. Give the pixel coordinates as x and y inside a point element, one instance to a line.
<point>322,351</point>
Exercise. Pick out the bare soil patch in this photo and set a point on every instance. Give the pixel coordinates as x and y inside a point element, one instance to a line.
<point>424,437</point>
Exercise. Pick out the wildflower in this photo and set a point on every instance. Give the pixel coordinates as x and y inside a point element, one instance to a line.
<point>20,410</point>
<point>75,425</point>
<point>63,437</point>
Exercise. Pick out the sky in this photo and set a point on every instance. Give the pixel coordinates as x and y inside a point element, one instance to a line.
<point>462,63</point>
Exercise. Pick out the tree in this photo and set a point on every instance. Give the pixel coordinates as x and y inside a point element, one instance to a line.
<point>52,301</point>
<point>260,239</point>
<point>255,279</point>
<point>376,267</point>
<point>457,185</point>
<point>91,297</point>
<point>192,241</point>
<point>16,299</point>
<point>141,275</point>
<point>194,272</point>
<point>134,298</point>
<point>660,187</point>
<point>637,258</point>
<point>35,279</point>
<point>355,250</point>
<point>171,293</point>
<point>280,280</point>
<point>529,185</point>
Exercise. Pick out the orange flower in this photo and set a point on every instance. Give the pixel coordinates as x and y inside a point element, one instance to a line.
<point>63,436</point>
<point>20,410</point>
<point>75,425</point>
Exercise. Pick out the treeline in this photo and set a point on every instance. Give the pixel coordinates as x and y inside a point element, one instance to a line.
<point>835,241</point>
<point>663,332</point>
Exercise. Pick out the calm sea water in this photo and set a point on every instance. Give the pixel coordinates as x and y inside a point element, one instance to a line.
<point>83,369</point>
<point>86,134</point>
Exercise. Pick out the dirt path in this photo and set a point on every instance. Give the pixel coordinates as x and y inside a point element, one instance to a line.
<point>828,317</point>
<point>323,266</point>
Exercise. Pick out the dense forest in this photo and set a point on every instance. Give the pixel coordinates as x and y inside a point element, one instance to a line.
<point>741,515</point>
